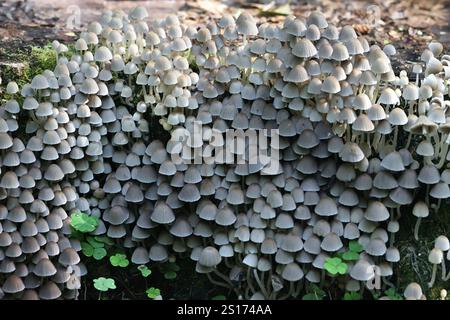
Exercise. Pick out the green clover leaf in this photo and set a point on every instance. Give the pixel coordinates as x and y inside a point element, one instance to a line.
<point>152,293</point>
<point>392,294</point>
<point>355,246</point>
<point>104,284</point>
<point>119,260</point>
<point>99,253</point>
<point>104,239</point>
<point>219,297</point>
<point>94,243</point>
<point>83,223</point>
<point>170,275</point>
<point>87,249</point>
<point>350,256</point>
<point>316,294</point>
<point>335,266</point>
<point>352,296</point>
<point>145,271</point>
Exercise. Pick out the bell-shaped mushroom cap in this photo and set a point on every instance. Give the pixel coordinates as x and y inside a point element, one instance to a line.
<point>351,152</point>
<point>30,295</point>
<point>376,211</point>
<point>268,246</point>
<point>53,173</point>
<point>246,24</point>
<point>49,291</point>
<point>140,256</point>
<point>134,194</point>
<point>89,86</point>
<point>440,191</point>
<point>375,247</point>
<point>393,162</point>
<point>189,193</point>
<point>389,97</point>
<point>44,268</point>
<point>39,82</point>
<point>13,284</point>
<point>317,18</point>
<point>442,243</point>
<point>9,180</point>
<point>413,291</point>
<point>291,243</point>
<point>331,85</point>
<point>392,255</point>
<point>158,252</point>
<point>28,229</point>
<point>69,257</point>
<point>429,174</point>
<point>12,87</point>
<point>102,54</point>
<point>420,209</point>
<point>181,228</point>
<point>304,48</point>
<point>436,256</point>
<point>209,257</point>
<point>326,207</point>
<point>331,242</point>
<point>292,272</point>
<point>116,215</point>
<point>225,217</point>
<point>362,271</point>
<point>162,214</point>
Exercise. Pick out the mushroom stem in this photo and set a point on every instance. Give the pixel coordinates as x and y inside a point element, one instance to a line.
<point>427,199</point>
<point>416,229</point>
<point>395,137</point>
<point>260,284</point>
<point>387,282</point>
<point>442,155</point>
<point>444,269</point>
<point>408,142</point>
<point>249,281</point>
<point>433,276</point>
<point>290,292</point>
<point>447,277</point>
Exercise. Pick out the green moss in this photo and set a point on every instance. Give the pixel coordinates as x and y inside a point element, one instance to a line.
<point>41,58</point>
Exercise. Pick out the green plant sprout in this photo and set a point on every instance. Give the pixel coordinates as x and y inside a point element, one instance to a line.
<point>170,270</point>
<point>104,284</point>
<point>352,296</point>
<point>315,293</point>
<point>153,293</point>
<point>119,260</point>
<point>335,266</point>
<point>82,222</point>
<point>354,249</point>
<point>219,297</point>
<point>93,248</point>
<point>392,294</point>
<point>145,271</point>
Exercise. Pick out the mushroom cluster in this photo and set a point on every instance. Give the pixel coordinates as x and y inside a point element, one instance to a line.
<point>112,132</point>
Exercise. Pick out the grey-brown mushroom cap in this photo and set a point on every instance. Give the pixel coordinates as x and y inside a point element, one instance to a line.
<point>413,291</point>
<point>209,257</point>
<point>49,291</point>
<point>362,271</point>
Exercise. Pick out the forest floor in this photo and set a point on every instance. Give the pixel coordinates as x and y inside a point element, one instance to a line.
<point>408,24</point>
<point>27,26</point>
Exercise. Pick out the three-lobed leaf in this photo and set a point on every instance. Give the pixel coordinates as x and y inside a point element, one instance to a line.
<point>152,293</point>
<point>104,284</point>
<point>82,222</point>
<point>145,271</point>
<point>335,266</point>
<point>119,260</point>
